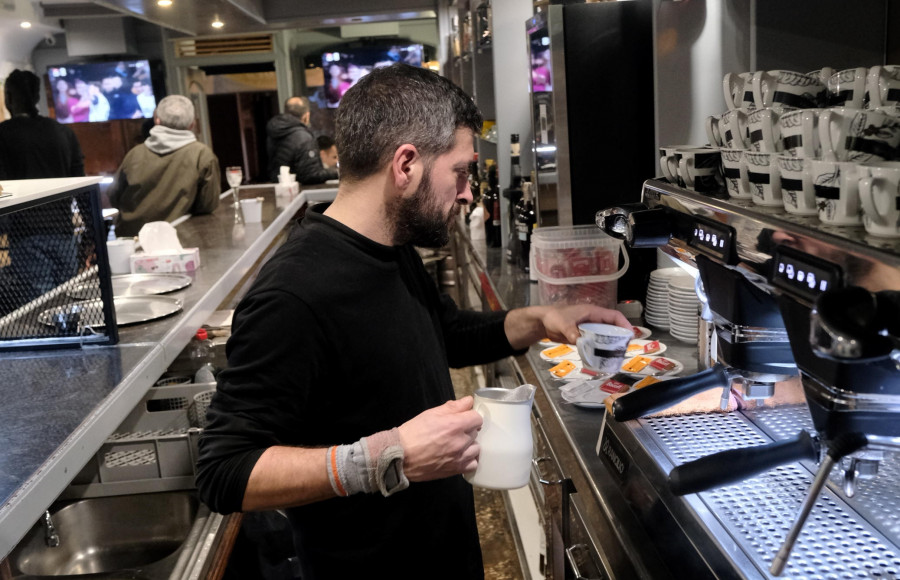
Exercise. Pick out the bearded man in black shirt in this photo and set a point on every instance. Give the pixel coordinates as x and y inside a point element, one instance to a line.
<point>337,403</point>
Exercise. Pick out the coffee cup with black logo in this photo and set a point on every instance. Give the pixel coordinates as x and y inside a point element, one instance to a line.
<point>797,193</point>
<point>734,171</point>
<point>860,135</point>
<point>847,88</point>
<point>836,184</point>
<point>787,88</point>
<point>764,178</point>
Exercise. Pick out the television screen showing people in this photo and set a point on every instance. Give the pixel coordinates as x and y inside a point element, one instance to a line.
<point>345,67</point>
<point>92,92</point>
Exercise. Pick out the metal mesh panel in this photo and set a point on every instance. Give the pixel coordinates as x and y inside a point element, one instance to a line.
<point>50,285</point>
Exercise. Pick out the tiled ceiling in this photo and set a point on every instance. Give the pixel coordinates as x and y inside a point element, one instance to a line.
<point>193,17</point>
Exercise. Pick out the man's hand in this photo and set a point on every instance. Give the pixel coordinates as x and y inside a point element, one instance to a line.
<point>440,442</point>
<point>525,326</point>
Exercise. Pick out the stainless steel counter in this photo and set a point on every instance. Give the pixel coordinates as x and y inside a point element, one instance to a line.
<point>619,485</point>
<point>59,406</point>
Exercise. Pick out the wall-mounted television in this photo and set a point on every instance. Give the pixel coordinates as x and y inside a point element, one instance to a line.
<point>343,67</point>
<point>101,91</point>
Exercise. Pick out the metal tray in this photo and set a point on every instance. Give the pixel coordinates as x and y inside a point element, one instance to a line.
<point>129,310</point>
<point>135,285</point>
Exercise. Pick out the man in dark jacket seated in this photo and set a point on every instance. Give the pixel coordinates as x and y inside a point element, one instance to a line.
<point>290,142</point>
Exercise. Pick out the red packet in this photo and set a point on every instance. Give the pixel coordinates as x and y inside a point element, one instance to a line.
<point>651,347</point>
<point>662,364</point>
<point>613,386</point>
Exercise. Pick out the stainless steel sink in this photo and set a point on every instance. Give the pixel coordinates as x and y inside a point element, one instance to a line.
<point>131,536</point>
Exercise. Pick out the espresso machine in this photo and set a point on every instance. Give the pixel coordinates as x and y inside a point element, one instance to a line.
<point>790,301</point>
<point>748,348</point>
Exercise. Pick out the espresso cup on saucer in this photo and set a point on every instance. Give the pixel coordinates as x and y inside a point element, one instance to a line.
<point>797,193</point>
<point>836,184</point>
<point>734,170</point>
<point>788,88</point>
<point>879,195</point>
<point>765,132</point>
<point>847,88</point>
<point>738,90</point>
<point>799,133</point>
<point>698,169</point>
<point>764,178</point>
<point>860,135</point>
<point>883,85</point>
<point>602,347</point>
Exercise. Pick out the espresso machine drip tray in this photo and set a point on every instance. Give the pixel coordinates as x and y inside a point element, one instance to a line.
<point>843,538</point>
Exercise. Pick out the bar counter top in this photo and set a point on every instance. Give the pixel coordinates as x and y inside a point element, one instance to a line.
<point>59,406</point>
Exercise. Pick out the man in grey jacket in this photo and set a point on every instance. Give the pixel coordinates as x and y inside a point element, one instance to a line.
<point>167,176</point>
<point>290,142</point>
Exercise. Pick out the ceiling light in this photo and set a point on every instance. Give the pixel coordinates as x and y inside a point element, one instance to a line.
<point>25,24</point>
<point>216,23</point>
<point>164,3</point>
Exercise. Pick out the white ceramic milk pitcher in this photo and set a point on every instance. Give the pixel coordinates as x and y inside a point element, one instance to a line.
<point>504,438</point>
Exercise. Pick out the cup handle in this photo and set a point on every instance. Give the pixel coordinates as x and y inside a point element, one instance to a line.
<point>684,167</point>
<point>868,201</point>
<point>664,167</point>
<point>873,92</point>
<point>775,181</point>
<point>712,132</point>
<point>758,84</point>
<point>745,179</point>
<point>807,190</point>
<point>809,134</point>
<point>828,152</point>
<point>728,90</point>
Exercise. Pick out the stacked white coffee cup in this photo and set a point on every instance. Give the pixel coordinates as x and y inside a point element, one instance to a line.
<point>824,143</point>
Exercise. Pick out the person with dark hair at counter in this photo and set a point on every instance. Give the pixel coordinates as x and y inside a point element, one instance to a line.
<point>169,175</point>
<point>337,404</point>
<point>32,146</point>
<point>290,142</point>
<point>328,152</point>
<point>36,147</point>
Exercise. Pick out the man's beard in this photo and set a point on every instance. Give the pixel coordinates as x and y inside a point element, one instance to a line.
<point>419,221</point>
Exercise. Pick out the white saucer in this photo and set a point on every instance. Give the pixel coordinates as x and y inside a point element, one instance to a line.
<point>649,370</point>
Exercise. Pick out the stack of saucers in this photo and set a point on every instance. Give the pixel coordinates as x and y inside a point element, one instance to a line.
<point>684,309</point>
<point>656,309</point>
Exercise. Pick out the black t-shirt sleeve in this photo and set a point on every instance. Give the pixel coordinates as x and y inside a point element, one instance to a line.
<point>273,355</point>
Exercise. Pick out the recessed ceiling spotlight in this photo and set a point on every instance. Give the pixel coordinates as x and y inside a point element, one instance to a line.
<point>164,3</point>
<point>216,23</point>
<point>25,24</point>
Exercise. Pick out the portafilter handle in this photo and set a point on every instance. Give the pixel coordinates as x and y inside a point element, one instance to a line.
<point>840,447</point>
<point>664,394</point>
<point>734,465</point>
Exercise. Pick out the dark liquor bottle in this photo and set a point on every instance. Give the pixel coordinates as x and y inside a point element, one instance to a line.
<point>526,217</point>
<point>513,193</point>
<point>474,186</point>
<point>492,203</point>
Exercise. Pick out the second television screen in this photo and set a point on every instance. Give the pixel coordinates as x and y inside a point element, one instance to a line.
<point>345,67</point>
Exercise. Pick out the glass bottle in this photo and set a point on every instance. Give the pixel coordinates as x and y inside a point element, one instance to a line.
<point>526,218</point>
<point>492,204</point>
<point>513,193</point>
<point>484,30</point>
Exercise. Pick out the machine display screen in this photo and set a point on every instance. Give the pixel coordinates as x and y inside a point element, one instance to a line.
<point>803,274</point>
<point>713,238</point>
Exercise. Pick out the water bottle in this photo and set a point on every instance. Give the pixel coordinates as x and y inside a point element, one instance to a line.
<point>202,357</point>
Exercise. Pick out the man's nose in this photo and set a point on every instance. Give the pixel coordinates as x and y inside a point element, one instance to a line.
<point>465,196</point>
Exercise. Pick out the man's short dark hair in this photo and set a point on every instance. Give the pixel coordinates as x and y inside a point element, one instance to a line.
<point>296,106</point>
<point>23,90</point>
<point>325,142</point>
<point>394,105</point>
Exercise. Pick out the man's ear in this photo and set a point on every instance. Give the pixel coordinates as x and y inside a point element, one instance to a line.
<point>405,166</point>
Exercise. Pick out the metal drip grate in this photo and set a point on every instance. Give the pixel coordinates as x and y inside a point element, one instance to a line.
<point>836,542</point>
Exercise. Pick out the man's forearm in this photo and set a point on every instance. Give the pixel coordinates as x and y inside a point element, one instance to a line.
<point>524,326</point>
<point>287,477</point>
